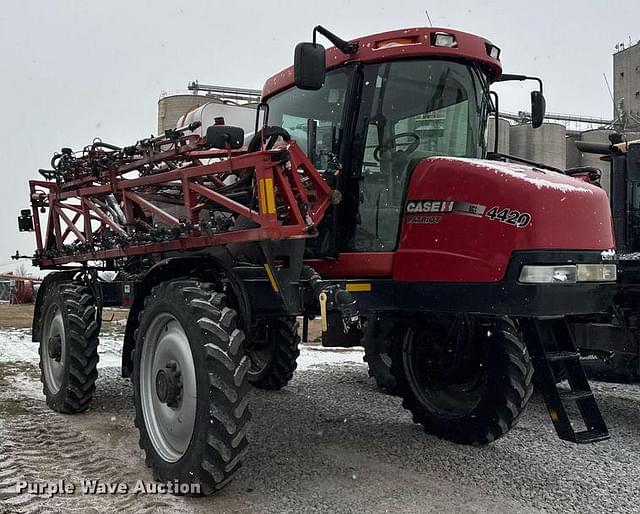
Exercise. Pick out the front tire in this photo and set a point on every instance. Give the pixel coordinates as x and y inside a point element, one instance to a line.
<point>190,385</point>
<point>464,381</point>
<point>274,352</point>
<point>69,327</point>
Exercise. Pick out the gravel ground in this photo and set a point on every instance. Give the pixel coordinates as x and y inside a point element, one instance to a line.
<point>328,442</point>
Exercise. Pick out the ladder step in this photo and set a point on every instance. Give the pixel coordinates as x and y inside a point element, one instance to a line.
<point>551,341</point>
<point>575,395</point>
<point>591,436</point>
<point>562,356</point>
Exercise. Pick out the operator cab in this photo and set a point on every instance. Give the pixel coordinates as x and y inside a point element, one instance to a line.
<point>378,120</point>
<point>370,111</point>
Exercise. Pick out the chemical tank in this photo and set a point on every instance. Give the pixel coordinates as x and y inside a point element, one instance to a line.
<point>503,135</point>
<point>237,115</point>
<point>546,144</point>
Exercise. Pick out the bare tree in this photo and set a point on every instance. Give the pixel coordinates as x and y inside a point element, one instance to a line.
<point>21,270</point>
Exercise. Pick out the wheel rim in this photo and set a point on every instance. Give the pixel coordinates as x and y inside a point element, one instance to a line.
<point>54,350</point>
<point>166,362</point>
<point>261,350</point>
<point>449,383</point>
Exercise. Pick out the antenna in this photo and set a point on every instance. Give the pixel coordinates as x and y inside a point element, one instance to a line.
<point>428,17</point>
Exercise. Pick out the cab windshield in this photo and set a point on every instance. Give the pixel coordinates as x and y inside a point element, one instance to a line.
<point>430,107</point>
<point>410,110</point>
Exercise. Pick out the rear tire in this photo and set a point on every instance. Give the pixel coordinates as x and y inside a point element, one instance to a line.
<point>274,351</point>
<point>473,397</point>
<point>192,410</point>
<point>69,327</point>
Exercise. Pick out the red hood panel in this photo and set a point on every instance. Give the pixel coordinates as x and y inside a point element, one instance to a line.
<point>491,209</point>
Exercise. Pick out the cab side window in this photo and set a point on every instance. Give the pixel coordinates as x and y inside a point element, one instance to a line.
<point>298,111</point>
<point>314,119</point>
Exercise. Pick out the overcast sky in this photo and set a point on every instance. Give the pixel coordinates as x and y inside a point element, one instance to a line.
<point>74,70</point>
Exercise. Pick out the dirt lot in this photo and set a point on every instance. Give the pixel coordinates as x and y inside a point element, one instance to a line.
<point>16,316</point>
<point>20,316</point>
<point>327,442</point>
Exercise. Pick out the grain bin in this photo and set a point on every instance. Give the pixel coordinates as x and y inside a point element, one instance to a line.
<point>574,156</point>
<point>631,136</point>
<point>546,144</point>
<point>589,159</point>
<point>503,135</point>
<point>170,108</point>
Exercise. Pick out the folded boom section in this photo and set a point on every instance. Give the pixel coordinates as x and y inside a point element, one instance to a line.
<point>171,193</point>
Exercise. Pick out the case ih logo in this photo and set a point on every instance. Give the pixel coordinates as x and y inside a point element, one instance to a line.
<point>444,207</point>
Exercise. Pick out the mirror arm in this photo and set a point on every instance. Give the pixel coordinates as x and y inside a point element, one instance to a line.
<point>345,47</point>
<point>505,77</point>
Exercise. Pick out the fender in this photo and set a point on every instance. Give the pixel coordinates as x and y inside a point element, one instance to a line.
<point>204,267</point>
<point>48,282</point>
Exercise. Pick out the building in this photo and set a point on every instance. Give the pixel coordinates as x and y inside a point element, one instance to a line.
<point>626,86</point>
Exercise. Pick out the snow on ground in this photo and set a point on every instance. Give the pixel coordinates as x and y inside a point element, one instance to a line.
<point>16,346</point>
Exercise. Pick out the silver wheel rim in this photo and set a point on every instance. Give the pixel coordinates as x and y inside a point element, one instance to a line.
<point>53,367</point>
<point>261,352</point>
<point>170,428</point>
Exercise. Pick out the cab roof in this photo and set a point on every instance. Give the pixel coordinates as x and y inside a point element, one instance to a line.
<point>399,44</point>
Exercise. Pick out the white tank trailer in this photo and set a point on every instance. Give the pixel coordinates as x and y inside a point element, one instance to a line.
<point>237,115</point>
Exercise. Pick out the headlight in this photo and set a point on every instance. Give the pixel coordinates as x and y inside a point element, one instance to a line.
<point>568,274</point>
<point>597,272</point>
<point>443,39</point>
<point>493,51</point>
<point>548,274</point>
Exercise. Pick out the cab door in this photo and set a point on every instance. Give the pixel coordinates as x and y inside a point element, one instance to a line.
<point>318,121</point>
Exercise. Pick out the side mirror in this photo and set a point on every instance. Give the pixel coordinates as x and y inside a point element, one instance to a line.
<point>538,108</point>
<point>309,66</point>
<point>225,137</point>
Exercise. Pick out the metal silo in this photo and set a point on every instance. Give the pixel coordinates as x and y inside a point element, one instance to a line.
<point>503,135</point>
<point>546,144</point>
<point>589,159</point>
<point>574,156</point>
<point>170,108</point>
<point>632,136</point>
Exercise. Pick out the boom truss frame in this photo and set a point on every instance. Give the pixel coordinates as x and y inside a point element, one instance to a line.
<point>290,196</point>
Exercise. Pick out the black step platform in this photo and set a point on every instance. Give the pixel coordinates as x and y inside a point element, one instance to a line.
<point>551,345</point>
